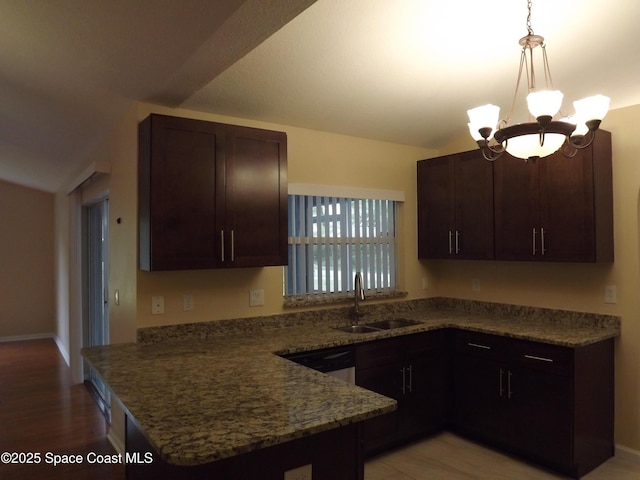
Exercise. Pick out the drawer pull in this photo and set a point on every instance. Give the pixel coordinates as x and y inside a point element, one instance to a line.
<point>541,359</point>
<point>222,245</point>
<point>233,247</point>
<point>477,345</point>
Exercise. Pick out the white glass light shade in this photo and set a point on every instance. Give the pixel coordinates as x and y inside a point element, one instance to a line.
<point>544,102</point>
<point>483,117</point>
<point>581,127</point>
<point>475,132</point>
<point>527,146</point>
<point>592,108</point>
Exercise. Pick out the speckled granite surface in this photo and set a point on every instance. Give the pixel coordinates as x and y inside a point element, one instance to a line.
<point>200,401</point>
<point>207,391</point>
<point>560,327</point>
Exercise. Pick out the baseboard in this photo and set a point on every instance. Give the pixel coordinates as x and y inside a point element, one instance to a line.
<point>63,351</point>
<point>39,336</point>
<point>115,442</point>
<point>628,454</point>
<point>21,338</point>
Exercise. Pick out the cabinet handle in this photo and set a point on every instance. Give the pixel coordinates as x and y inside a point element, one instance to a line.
<point>500,388</point>
<point>457,242</point>
<point>450,243</point>
<point>541,359</point>
<point>477,345</point>
<point>233,247</point>
<point>410,368</point>
<point>534,241</point>
<point>222,244</point>
<point>404,383</point>
<point>509,392</point>
<point>542,241</point>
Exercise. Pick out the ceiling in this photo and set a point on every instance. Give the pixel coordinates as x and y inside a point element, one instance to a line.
<point>403,71</point>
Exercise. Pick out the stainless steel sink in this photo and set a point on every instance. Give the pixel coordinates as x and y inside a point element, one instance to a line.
<point>358,329</point>
<point>393,323</point>
<point>389,324</point>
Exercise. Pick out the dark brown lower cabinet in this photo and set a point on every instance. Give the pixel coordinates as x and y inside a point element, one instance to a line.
<point>549,404</point>
<point>413,370</point>
<point>545,403</point>
<point>333,454</point>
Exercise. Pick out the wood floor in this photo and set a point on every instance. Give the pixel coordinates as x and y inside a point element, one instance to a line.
<point>41,411</point>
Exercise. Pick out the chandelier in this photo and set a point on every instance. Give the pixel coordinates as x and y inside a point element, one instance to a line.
<point>542,135</point>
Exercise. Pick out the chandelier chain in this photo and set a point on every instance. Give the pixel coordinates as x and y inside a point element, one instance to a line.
<point>529,27</point>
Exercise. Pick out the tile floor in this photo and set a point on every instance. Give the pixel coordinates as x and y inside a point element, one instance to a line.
<point>449,457</point>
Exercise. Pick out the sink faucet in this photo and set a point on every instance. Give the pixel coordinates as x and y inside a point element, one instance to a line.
<point>358,295</point>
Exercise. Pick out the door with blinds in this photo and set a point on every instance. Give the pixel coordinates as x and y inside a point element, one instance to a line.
<point>95,290</point>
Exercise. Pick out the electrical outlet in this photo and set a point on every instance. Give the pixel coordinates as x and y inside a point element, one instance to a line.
<point>256,298</point>
<point>300,473</point>
<point>187,303</point>
<point>425,283</point>
<point>157,305</point>
<point>475,284</point>
<point>610,294</point>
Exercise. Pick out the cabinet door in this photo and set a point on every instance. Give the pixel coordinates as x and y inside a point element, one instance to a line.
<point>473,229</point>
<point>179,171</point>
<point>424,400</point>
<point>566,207</point>
<point>386,380</point>
<point>541,417</point>
<point>255,228</point>
<point>435,208</point>
<point>480,400</point>
<point>455,207</point>
<point>516,203</point>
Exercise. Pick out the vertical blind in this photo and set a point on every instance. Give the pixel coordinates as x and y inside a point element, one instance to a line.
<point>332,238</point>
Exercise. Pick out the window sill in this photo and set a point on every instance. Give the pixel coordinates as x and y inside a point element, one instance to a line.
<point>296,301</point>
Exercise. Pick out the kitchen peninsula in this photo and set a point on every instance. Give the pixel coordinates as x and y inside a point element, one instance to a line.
<point>217,397</point>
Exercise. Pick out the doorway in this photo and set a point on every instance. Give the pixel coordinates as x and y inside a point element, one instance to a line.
<point>95,288</point>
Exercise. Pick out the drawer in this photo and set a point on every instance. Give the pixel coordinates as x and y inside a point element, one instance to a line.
<point>397,349</point>
<point>482,345</point>
<point>542,356</point>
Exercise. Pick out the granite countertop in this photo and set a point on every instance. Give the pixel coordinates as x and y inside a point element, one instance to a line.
<point>201,401</point>
<point>201,395</point>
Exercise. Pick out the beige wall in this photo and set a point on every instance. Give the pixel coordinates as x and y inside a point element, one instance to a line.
<point>26,261</point>
<point>577,286</point>
<point>313,157</point>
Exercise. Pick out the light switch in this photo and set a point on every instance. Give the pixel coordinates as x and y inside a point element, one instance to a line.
<point>187,303</point>
<point>256,298</point>
<point>610,294</point>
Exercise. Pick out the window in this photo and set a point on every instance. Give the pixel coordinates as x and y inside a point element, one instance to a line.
<point>332,238</point>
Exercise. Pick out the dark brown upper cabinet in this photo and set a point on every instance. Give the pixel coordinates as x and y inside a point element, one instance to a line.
<point>210,195</point>
<point>556,208</point>
<point>455,207</point>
